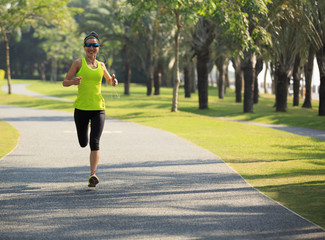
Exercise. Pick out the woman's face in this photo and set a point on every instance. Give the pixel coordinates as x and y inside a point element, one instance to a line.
<point>91,50</point>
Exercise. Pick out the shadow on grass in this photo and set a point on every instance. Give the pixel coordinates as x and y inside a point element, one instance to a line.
<point>310,197</point>
<point>286,174</point>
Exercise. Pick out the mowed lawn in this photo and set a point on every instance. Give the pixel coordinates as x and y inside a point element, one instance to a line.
<point>286,167</point>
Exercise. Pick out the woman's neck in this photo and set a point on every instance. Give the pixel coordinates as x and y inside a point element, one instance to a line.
<point>91,60</point>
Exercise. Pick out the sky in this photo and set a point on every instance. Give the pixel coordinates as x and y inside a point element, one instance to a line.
<point>315,79</point>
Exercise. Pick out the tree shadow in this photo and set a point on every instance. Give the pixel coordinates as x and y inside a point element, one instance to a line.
<point>146,200</point>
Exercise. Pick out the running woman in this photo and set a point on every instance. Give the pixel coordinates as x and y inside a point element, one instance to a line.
<point>89,104</point>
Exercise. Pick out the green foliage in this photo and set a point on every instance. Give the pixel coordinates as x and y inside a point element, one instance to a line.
<point>52,19</point>
<point>61,44</point>
<point>291,32</point>
<point>239,21</point>
<point>16,13</point>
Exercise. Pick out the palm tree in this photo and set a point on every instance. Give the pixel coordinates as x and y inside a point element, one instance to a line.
<point>202,39</point>
<point>223,49</point>
<point>222,63</point>
<point>288,40</point>
<point>257,38</point>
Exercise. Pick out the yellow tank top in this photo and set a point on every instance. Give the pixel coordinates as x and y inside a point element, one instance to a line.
<point>89,91</point>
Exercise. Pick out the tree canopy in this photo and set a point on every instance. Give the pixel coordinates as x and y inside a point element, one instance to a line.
<point>154,42</point>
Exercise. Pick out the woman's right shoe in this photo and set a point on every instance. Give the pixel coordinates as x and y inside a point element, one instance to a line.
<point>93,180</point>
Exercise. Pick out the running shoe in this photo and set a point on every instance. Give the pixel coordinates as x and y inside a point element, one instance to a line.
<point>93,180</point>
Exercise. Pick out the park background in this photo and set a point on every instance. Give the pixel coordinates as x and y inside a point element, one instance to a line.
<point>139,47</point>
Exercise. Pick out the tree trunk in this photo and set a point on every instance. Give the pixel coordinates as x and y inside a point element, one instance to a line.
<point>157,77</point>
<point>54,70</point>
<point>321,65</point>
<point>265,74</point>
<point>248,66</point>
<point>258,69</point>
<point>157,81</point>
<point>127,77</point>
<point>42,70</point>
<point>309,66</point>
<point>193,76</point>
<point>176,66</point>
<point>149,73</point>
<point>187,81</point>
<point>222,64</point>
<point>202,70</point>
<point>227,76</point>
<point>273,81</point>
<point>238,78</point>
<point>6,41</point>
<point>296,80</point>
<point>127,70</point>
<point>281,80</point>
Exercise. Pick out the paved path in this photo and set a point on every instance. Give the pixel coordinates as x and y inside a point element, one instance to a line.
<point>154,185</point>
<point>20,88</point>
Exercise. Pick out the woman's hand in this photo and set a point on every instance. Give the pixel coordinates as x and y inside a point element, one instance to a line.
<point>76,65</point>
<point>67,82</point>
<point>114,81</point>
<point>76,81</point>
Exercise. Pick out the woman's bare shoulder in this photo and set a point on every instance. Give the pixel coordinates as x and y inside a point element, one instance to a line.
<point>78,62</point>
<point>76,65</point>
<point>103,65</point>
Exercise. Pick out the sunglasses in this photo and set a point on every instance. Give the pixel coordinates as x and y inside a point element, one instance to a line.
<point>95,45</point>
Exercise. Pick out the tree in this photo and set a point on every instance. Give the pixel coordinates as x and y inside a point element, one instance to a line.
<point>293,33</point>
<point>222,50</point>
<point>285,46</point>
<point>236,62</point>
<point>258,35</point>
<point>202,39</point>
<point>258,69</point>
<point>17,13</point>
<point>308,69</point>
<point>179,10</point>
<point>222,63</point>
<point>61,44</point>
<point>240,21</point>
<point>187,60</point>
<point>148,26</point>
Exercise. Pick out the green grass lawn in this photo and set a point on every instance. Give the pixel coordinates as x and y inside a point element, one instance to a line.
<point>286,167</point>
<point>9,138</point>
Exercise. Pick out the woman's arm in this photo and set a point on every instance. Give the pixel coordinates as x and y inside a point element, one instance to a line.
<point>68,81</point>
<point>109,79</point>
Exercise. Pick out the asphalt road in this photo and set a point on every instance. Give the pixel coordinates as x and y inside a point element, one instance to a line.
<point>153,185</point>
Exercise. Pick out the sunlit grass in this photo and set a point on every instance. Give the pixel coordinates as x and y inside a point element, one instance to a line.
<point>284,166</point>
<point>8,139</point>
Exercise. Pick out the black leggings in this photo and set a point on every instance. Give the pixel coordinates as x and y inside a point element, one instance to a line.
<point>81,119</point>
